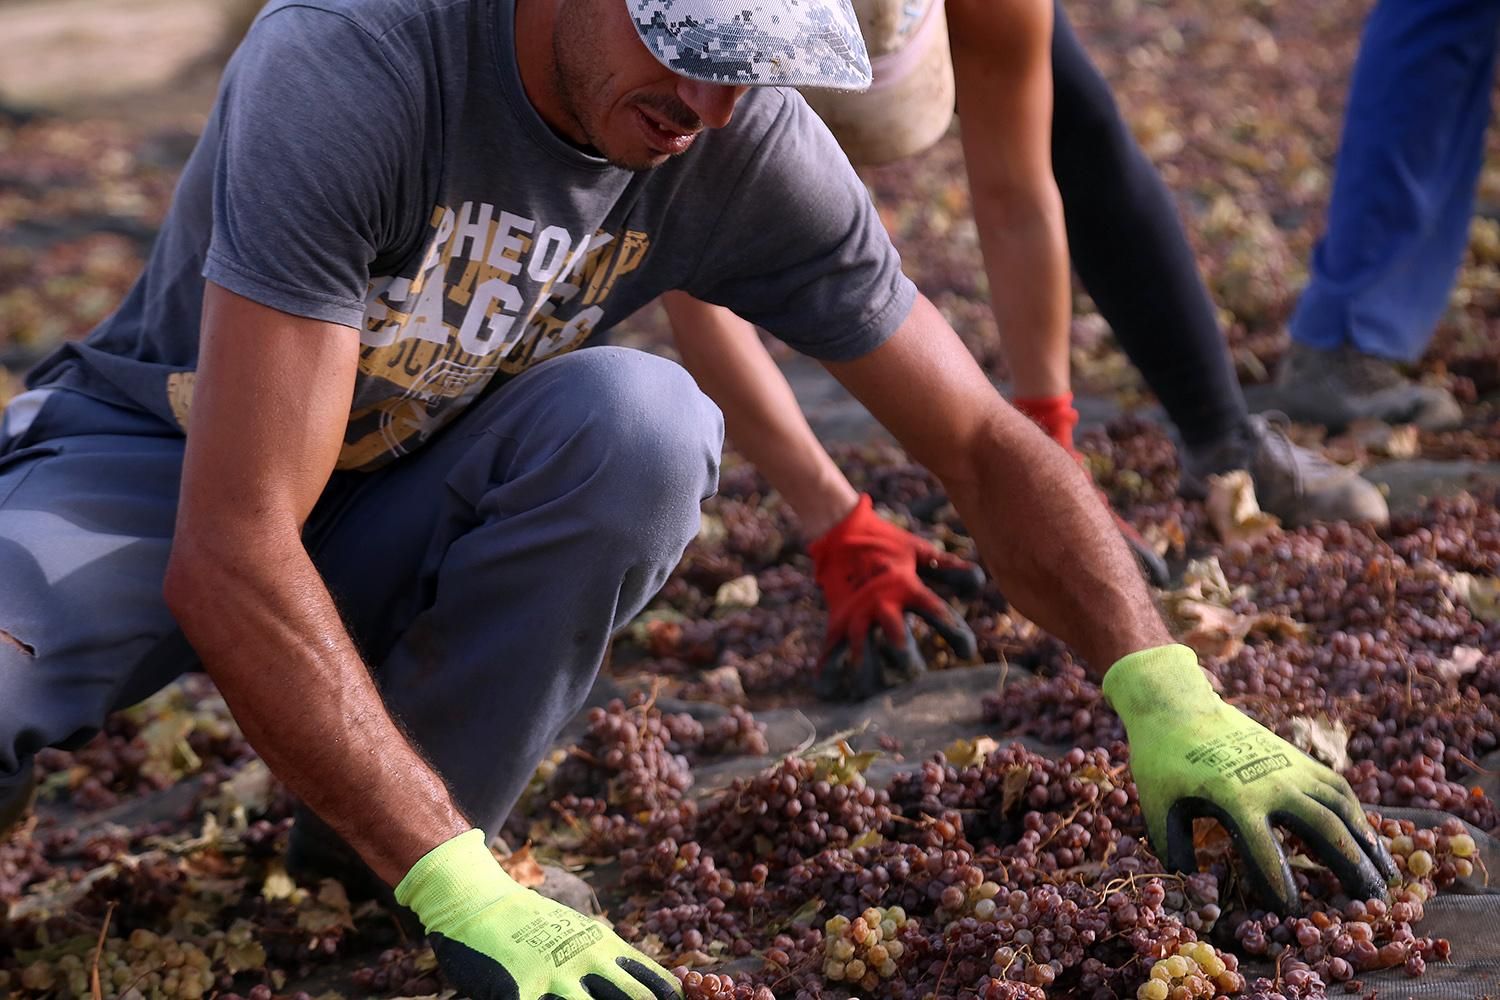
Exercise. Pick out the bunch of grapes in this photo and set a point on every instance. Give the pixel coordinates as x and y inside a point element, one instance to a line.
<point>1295,981</point>
<point>1063,708</point>
<point>688,903</point>
<point>143,966</point>
<point>625,765</point>
<point>865,950</point>
<point>120,761</point>
<point>790,812</point>
<point>1132,461</point>
<point>1340,938</point>
<point>1030,801</point>
<point>1198,970</point>
<point>990,988</point>
<point>410,971</point>
<point>713,986</point>
<point>735,733</point>
<point>25,859</point>
<point>1421,782</point>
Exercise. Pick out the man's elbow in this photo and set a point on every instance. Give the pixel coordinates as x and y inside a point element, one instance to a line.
<point>962,465</point>
<point>187,580</point>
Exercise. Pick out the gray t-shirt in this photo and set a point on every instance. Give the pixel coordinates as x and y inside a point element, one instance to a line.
<point>376,163</point>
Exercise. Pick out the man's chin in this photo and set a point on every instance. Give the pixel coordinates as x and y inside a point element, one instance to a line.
<point>630,152</point>
<point>640,159</point>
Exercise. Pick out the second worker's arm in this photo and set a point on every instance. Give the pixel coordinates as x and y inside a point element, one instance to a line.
<point>872,573</point>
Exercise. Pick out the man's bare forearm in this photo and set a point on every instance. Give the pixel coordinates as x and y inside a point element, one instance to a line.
<point>1026,262</point>
<point>762,416</point>
<point>1050,543</point>
<point>267,630</point>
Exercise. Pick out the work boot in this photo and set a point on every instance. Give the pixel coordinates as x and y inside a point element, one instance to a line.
<point>1297,485</point>
<point>1335,388</point>
<point>15,805</point>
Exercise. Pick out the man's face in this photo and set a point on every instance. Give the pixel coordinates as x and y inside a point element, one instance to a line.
<point>634,111</point>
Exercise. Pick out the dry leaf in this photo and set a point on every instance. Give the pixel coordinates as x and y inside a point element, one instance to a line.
<point>711,530</point>
<point>1233,510</point>
<point>1200,615</point>
<point>1215,631</point>
<point>1013,786</point>
<point>329,912</point>
<point>1480,593</point>
<point>1211,841</point>
<point>741,592</point>
<point>1323,738</point>
<point>248,791</point>
<point>1166,536</point>
<point>278,885</point>
<point>522,866</point>
<point>241,951</point>
<point>722,684</point>
<point>970,753</point>
<point>1464,660</point>
<point>1380,438</point>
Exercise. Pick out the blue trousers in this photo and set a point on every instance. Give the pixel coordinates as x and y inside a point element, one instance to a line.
<point>482,576</point>
<point>1403,192</point>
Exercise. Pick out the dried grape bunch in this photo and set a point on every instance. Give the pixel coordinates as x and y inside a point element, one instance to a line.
<point>1020,797</point>
<point>1340,938</point>
<point>735,733</point>
<point>624,783</point>
<point>143,965</point>
<point>1458,533</point>
<point>1132,460</point>
<point>1295,981</point>
<point>183,730</point>
<point>409,971</point>
<point>26,857</point>
<point>792,811</point>
<point>867,949</point>
<point>686,903</point>
<point>990,988</point>
<point>712,986</point>
<point>1422,783</point>
<point>1198,970</point>
<point>1065,708</point>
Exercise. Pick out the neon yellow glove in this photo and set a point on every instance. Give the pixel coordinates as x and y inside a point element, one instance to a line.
<point>498,941</point>
<point>1192,755</point>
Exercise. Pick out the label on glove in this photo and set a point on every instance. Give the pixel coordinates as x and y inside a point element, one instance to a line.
<point>1247,755</point>
<point>562,935</point>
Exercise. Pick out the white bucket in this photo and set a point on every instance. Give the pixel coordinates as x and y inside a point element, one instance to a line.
<point>910,103</point>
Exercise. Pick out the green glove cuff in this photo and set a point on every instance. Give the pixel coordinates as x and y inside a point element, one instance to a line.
<point>453,881</point>
<point>1165,678</point>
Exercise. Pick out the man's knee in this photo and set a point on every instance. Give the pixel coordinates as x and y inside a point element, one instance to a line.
<point>649,427</point>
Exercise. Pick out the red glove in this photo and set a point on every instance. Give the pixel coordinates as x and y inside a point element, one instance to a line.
<point>1056,416</point>
<point>872,573</point>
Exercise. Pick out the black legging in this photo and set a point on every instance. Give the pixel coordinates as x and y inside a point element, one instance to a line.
<point>1130,252</point>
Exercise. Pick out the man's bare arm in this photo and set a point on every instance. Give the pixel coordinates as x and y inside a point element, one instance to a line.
<point>761,415</point>
<point>1042,530</point>
<point>269,410</point>
<point>1002,64</point>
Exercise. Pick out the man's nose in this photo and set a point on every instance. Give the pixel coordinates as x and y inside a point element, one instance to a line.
<point>713,103</point>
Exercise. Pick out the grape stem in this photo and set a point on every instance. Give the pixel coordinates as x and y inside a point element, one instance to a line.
<point>94,985</point>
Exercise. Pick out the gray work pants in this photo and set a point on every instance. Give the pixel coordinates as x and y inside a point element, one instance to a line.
<point>482,576</point>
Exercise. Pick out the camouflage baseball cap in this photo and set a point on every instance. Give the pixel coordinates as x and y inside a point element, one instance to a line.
<point>790,43</point>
